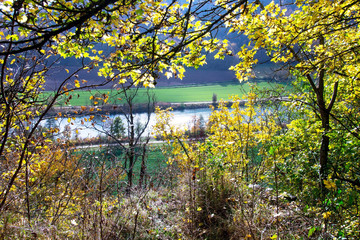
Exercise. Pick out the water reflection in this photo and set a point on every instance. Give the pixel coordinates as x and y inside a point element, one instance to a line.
<point>82,127</point>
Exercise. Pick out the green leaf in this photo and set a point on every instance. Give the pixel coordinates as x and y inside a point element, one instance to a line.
<point>139,12</point>
<point>311,231</point>
<point>272,150</point>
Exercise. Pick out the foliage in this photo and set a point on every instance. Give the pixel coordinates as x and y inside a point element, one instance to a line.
<point>319,42</point>
<point>318,48</point>
<point>117,128</point>
<point>146,38</point>
<point>48,189</point>
<point>297,153</point>
<point>253,177</point>
<point>288,171</point>
<point>78,195</point>
<point>217,174</point>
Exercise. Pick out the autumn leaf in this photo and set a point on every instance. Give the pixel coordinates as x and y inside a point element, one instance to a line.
<point>77,83</point>
<point>326,215</point>
<point>330,184</point>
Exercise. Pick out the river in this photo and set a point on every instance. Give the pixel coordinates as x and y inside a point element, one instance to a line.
<point>81,127</point>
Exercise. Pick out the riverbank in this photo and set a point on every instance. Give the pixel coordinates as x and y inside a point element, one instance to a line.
<point>121,108</point>
<point>140,108</point>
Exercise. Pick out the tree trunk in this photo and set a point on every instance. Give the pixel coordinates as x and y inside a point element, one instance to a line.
<point>324,148</point>
<point>143,166</point>
<point>131,150</point>
<point>325,124</point>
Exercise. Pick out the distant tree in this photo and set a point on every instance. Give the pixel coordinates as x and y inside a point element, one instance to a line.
<point>197,128</point>
<point>117,128</point>
<point>67,132</point>
<point>130,135</point>
<point>139,126</point>
<point>214,99</point>
<point>202,126</point>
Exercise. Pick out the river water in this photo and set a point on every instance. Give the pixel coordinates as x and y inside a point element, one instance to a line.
<point>81,127</point>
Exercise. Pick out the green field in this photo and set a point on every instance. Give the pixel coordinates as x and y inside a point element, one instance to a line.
<point>155,160</point>
<point>179,94</point>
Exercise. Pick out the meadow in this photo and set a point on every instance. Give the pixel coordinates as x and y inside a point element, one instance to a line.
<point>176,94</point>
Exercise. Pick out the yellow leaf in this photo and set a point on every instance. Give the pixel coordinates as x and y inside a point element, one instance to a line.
<point>326,215</point>
<point>77,83</point>
<point>274,236</point>
<point>329,184</point>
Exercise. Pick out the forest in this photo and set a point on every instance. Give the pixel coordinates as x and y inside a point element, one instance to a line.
<point>285,167</point>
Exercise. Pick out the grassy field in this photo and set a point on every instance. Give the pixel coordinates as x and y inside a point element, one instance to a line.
<point>181,94</point>
<point>155,161</point>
